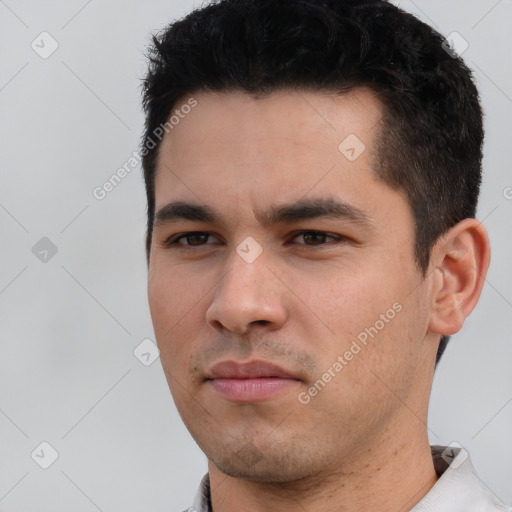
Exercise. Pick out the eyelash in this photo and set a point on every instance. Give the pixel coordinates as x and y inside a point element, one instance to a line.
<point>173,242</point>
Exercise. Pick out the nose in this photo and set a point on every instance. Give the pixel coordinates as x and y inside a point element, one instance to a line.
<point>249,294</point>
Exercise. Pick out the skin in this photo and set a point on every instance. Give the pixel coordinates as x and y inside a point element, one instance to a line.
<point>361,443</point>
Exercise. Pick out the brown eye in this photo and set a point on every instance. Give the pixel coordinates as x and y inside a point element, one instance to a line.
<point>313,238</point>
<point>196,238</point>
<point>193,239</point>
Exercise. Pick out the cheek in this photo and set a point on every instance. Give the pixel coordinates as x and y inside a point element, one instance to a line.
<point>172,292</point>
<point>368,312</point>
<point>174,304</point>
<point>344,300</point>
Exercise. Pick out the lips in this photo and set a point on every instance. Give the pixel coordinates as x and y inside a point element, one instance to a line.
<point>249,370</point>
<point>254,381</point>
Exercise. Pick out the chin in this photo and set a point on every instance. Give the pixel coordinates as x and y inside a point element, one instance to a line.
<point>250,463</point>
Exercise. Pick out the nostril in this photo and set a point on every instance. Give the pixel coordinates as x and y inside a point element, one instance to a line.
<point>260,322</point>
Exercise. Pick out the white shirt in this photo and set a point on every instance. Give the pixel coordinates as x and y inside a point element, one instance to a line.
<point>458,488</point>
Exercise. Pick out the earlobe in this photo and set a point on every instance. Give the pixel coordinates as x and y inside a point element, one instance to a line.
<point>460,258</point>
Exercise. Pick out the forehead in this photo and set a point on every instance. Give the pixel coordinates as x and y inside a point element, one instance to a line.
<point>234,151</point>
<point>283,117</point>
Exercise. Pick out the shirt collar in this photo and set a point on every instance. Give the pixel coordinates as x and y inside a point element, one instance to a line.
<point>458,487</point>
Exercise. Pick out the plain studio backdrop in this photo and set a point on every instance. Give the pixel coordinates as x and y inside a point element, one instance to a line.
<point>73,273</point>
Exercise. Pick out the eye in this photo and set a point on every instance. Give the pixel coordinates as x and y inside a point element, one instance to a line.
<point>313,238</point>
<point>193,239</point>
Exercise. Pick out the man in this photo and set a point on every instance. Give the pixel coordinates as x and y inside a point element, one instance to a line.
<point>312,171</point>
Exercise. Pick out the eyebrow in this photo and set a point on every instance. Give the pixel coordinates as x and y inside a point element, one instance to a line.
<point>302,209</point>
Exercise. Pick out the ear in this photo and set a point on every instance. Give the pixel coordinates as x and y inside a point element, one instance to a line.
<point>460,259</point>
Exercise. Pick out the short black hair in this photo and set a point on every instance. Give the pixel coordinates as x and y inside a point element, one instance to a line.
<point>430,145</point>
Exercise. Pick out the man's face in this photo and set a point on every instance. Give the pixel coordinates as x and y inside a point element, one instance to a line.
<point>334,301</point>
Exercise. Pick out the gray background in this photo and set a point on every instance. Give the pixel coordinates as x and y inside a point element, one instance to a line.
<point>69,325</point>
